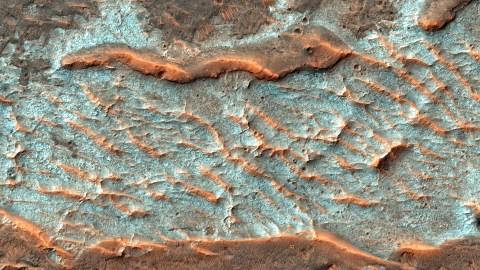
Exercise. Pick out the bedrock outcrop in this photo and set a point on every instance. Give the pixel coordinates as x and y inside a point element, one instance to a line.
<point>239,134</point>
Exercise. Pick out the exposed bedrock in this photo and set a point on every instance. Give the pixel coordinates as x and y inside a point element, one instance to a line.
<point>270,60</point>
<point>222,134</point>
<point>436,14</point>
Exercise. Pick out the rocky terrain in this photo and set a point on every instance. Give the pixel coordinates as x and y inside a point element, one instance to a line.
<point>223,134</point>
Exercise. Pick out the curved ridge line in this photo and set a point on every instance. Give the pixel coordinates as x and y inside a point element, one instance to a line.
<point>271,60</point>
<point>116,246</point>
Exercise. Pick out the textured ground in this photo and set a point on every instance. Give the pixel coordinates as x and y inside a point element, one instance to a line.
<point>208,133</point>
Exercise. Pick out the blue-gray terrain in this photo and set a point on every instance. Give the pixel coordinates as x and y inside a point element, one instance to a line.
<point>305,118</point>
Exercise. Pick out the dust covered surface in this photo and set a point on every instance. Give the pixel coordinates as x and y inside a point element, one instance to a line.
<point>19,250</point>
<point>208,132</point>
<point>196,20</point>
<point>33,20</point>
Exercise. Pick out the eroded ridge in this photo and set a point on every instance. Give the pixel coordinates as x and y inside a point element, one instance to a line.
<point>271,60</point>
<point>381,149</point>
<point>285,252</point>
<point>436,13</point>
<point>22,248</point>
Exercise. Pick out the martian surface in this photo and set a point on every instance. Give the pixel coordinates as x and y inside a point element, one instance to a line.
<point>228,134</point>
